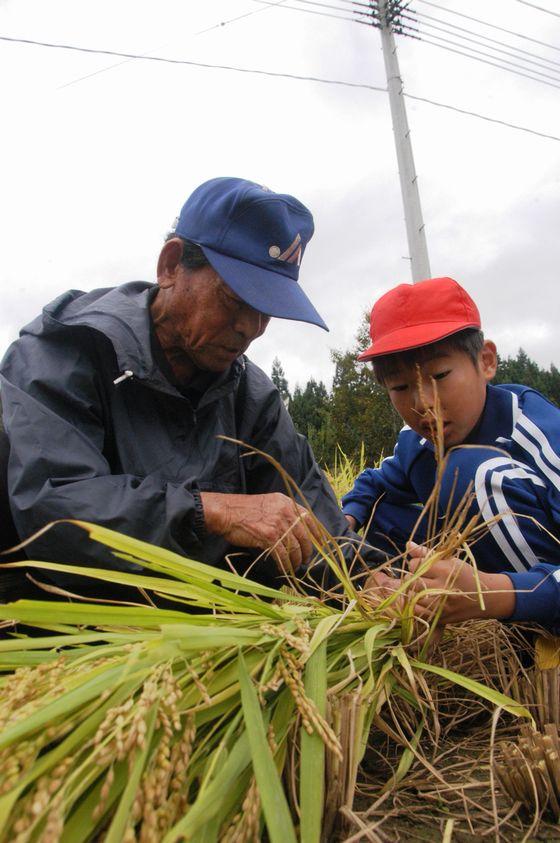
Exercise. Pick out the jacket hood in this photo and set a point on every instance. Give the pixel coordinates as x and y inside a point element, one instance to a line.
<point>119,313</point>
<point>122,315</point>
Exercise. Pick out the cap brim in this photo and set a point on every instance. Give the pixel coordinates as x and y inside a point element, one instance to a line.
<point>268,292</point>
<point>413,336</point>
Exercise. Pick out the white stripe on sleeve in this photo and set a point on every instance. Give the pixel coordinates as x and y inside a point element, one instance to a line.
<point>505,531</point>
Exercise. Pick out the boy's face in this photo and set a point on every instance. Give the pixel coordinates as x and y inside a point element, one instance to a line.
<point>460,385</point>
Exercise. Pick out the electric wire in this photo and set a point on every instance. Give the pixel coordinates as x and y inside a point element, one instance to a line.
<point>357,3</point>
<point>413,32</point>
<point>164,60</point>
<point>485,61</point>
<point>481,116</point>
<point>293,76</point>
<point>540,8</point>
<point>403,29</point>
<point>482,53</point>
<point>327,6</point>
<point>309,11</point>
<point>218,25</point>
<point>490,25</point>
<point>420,16</point>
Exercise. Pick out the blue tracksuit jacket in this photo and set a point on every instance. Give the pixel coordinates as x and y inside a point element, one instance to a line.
<point>515,472</point>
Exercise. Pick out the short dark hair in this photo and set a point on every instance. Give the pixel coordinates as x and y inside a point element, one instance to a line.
<point>469,340</point>
<point>193,257</point>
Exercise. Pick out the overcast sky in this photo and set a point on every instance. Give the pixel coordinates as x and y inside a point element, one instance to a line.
<point>95,169</point>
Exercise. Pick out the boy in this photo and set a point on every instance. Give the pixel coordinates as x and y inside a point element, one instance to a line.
<point>426,338</point>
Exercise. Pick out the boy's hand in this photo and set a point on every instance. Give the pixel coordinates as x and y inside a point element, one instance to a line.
<point>352,521</point>
<point>380,585</point>
<point>458,578</point>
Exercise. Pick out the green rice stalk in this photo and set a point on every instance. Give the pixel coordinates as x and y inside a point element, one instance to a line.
<point>137,723</point>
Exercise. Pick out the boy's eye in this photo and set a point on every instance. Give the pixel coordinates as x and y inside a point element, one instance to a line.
<point>400,387</point>
<point>441,375</point>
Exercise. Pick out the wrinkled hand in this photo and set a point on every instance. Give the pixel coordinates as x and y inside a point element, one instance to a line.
<point>461,601</point>
<point>270,522</point>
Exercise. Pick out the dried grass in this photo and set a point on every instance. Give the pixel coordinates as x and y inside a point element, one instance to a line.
<point>463,761</point>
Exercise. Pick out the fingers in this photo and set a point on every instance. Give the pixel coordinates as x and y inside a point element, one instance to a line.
<point>416,555</point>
<point>299,546</point>
<point>310,523</point>
<point>299,540</point>
<point>351,521</point>
<point>281,556</point>
<point>379,579</point>
<point>379,586</point>
<point>416,551</point>
<point>295,547</point>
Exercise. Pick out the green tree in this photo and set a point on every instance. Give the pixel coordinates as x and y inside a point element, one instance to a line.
<point>279,380</point>
<point>310,411</point>
<point>521,369</point>
<point>552,384</point>
<point>360,410</point>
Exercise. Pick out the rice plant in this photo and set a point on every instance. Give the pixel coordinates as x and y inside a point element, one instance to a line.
<point>235,711</point>
<point>345,470</point>
<point>139,723</point>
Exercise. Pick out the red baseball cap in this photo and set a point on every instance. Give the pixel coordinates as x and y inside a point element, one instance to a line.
<point>411,315</point>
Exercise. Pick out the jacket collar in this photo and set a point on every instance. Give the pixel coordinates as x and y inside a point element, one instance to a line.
<point>496,422</point>
<point>122,315</point>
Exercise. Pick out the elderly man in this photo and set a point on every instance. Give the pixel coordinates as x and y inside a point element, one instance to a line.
<point>114,400</point>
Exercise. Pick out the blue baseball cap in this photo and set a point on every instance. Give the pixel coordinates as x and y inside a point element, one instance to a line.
<point>255,240</point>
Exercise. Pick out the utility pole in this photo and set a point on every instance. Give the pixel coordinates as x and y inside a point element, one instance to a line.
<point>385,14</point>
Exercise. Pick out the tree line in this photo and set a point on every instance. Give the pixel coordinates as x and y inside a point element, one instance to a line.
<point>357,409</point>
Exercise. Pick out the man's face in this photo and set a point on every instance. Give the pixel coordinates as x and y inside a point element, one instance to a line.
<point>200,321</point>
<point>460,388</point>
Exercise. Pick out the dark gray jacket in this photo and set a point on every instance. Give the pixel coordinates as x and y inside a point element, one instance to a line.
<point>127,453</point>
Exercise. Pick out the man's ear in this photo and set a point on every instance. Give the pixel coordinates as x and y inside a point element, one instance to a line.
<point>488,359</point>
<point>169,262</point>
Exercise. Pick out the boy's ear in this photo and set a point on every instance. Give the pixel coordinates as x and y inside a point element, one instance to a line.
<point>488,359</point>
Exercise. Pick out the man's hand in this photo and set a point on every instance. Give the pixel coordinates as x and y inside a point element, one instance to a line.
<point>271,522</point>
<point>462,601</point>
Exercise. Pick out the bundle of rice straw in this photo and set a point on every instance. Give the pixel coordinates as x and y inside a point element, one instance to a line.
<point>139,723</point>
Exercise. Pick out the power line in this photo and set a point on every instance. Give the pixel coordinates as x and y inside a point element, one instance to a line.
<point>325,6</point>
<point>490,25</point>
<point>292,76</point>
<point>441,46</point>
<point>164,60</point>
<point>311,11</point>
<point>540,8</point>
<point>370,13</point>
<point>408,31</point>
<point>474,53</point>
<point>482,117</point>
<point>365,5</point>
<point>422,16</point>
<point>218,25</point>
